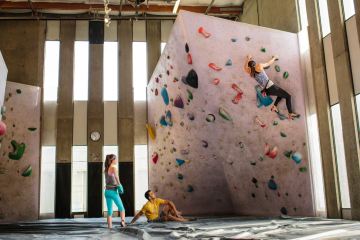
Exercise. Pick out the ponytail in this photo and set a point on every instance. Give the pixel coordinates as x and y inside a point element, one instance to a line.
<point>109,158</point>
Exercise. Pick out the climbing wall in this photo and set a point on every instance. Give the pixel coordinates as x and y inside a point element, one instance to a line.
<point>214,144</point>
<point>19,154</point>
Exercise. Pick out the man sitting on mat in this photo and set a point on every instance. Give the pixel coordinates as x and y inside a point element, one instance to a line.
<point>151,210</point>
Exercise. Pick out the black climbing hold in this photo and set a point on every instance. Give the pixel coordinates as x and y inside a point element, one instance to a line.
<point>180,176</point>
<point>205,144</point>
<point>18,91</point>
<point>253,195</point>
<point>187,49</point>
<point>254,180</point>
<point>168,72</point>
<point>192,79</point>
<point>283,210</point>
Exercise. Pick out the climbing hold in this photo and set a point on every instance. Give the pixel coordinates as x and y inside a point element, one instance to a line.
<point>283,210</point>
<point>263,49</point>
<point>228,62</point>
<point>165,95</point>
<point>184,151</point>
<point>253,195</point>
<point>272,184</point>
<point>277,68</point>
<point>189,58</point>
<point>224,114</point>
<point>18,150</point>
<point>214,67</point>
<point>191,79</point>
<point>283,134</point>
<point>168,118</point>
<point>204,143</point>
<point>180,161</point>
<point>303,169</point>
<point>190,95</point>
<point>261,99</point>
<point>27,172</point>
<point>168,57</point>
<point>175,79</point>
<point>275,123</point>
<point>210,117</point>
<point>178,102</point>
<point>253,163</point>
<point>168,72</point>
<point>247,38</point>
<point>190,188</point>
<point>3,110</point>
<point>155,157</point>
<point>187,49</point>
<point>18,91</point>
<point>272,153</point>
<point>233,39</point>
<point>202,31</point>
<point>180,176</point>
<point>191,116</point>
<point>258,121</point>
<point>288,153</point>
<point>237,98</point>
<point>157,80</point>
<point>156,92</point>
<point>255,181</point>
<point>297,157</point>
<point>216,81</point>
<point>285,75</point>
<point>281,116</point>
<point>151,131</point>
<point>163,121</point>
<point>236,88</point>
<point>181,123</point>
<point>2,128</point>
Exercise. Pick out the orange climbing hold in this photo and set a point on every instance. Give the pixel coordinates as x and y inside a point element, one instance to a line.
<point>216,81</point>
<point>202,31</point>
<point>214,67</point>
<point>189,58</point>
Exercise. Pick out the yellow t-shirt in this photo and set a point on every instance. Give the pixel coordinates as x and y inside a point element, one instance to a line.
<point>151,209</point>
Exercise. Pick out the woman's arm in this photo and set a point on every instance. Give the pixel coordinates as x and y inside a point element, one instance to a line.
<point>246,67</point>
<point>272,60</point>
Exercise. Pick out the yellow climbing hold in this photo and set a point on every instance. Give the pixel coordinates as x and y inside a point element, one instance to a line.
<point>151,131</point>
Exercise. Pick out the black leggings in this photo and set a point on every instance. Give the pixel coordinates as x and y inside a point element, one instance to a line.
<point>280,93</point>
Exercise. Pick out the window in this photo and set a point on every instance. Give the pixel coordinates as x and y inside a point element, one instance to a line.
<point>303,14</point>
<point>47,182</point>
<point>81,70</point>
<point>324,17</point>
<point>162,46</point>
<point>141,175</point>
<point>340,155</point>
<point>349,8</point>
<point>79,179</point>
<point>110,71</point>
<point>51,70</point>
<point>109,150</point>
<point>139,70</point>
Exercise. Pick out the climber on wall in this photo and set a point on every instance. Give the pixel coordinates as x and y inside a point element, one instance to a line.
<point>256,70</point>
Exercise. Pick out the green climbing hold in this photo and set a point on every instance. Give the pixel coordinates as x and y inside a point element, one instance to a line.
<point>288,153</point>
<point>27,172</point>
<point>18,91</point>
<point>180,176</point>
<point>18,150</point>
<point>3,110</point>
<point>224,114</point>
<point>285,75</point>
<point>263,49</point>
<point>275,123</point>
<point>283,134</point>
<point>277,68</point>
<point>32,129</point>
<point>303,169</point>
<point>190,95</point>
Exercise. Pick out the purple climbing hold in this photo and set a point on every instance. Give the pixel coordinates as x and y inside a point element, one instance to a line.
<point>178,102</point>
<point>180,161</point>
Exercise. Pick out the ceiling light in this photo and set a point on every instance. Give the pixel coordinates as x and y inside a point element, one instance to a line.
<point>176,6</point>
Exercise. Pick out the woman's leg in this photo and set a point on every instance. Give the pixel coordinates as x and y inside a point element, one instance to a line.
<point>121,208</point>
<point>109,203</point>
<point>280,93</point>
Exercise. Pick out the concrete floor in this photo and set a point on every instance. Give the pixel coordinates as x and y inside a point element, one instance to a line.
<point>203,228</point>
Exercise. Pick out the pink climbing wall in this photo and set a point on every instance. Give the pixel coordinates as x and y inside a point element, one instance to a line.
<point>19,168</point>
<point>222,164</point>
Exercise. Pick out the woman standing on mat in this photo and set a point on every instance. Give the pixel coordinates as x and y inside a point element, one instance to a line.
<point>256,70</point>
<point>112,189</point>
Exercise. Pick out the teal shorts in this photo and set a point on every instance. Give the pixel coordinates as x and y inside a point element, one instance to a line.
<point>113,196</point>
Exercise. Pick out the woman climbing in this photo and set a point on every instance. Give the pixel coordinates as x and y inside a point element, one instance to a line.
<point>256,70</point>
<point>112,189</point>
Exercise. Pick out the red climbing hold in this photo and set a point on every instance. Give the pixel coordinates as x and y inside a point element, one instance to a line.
<point>213,66</point>
<point>156,92</point>
<point>155,157</point>
<point>237,98</point>
<point>189,58</point>
<point>202,31</point>
<point>236,88</point>
<point>258,121</point>
<point>216,81</point>
<point>271,153</point>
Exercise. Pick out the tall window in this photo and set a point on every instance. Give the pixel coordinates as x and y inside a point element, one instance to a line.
<point>141,175</point>
<point>324,17</point>
<point>340,155</point>
<point>349,8</point>
<point>51,70</point>
<point>81,70</point>
<point>110,71</point>
<point>139,71</point>
<point>79,179</point>
<point>109,150</point>
<point>162,46</point>
<point>47,182</point>
<point>303,14</point>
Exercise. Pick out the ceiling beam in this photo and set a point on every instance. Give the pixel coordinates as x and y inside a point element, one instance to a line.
<point>38,6</point>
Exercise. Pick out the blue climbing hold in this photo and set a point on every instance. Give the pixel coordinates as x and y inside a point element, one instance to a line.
<point>297,157</point>
<point>168,119</point>
<point>163,121</point>
<point>260,99</point>
<point>180,161</point>
<point>228,62</point>
<point>165,96</point>
<point>272,184</point>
